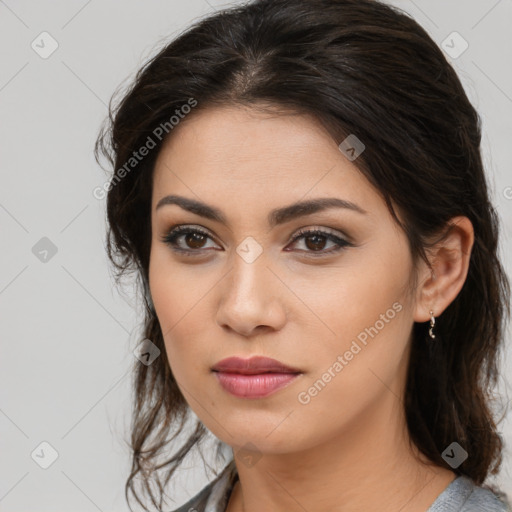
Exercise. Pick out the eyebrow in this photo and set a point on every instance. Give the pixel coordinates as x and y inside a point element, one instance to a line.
<point>275,217</point>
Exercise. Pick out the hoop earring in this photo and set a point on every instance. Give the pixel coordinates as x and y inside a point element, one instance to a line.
<point>432,324</point>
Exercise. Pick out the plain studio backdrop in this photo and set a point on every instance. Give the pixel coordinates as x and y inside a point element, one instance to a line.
<point>67,335</point>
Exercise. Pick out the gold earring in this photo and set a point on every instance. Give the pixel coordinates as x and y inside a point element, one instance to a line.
<point>432,324</point>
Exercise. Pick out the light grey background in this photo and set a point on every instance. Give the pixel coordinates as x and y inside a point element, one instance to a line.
<point>67,335</point>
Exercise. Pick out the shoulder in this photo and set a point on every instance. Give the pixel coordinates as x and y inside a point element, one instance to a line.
<point>462,495</point>
<point>214,496</point>
<point>485,500</point>
<point>198,502</point>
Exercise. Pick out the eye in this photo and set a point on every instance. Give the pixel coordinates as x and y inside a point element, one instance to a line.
<point>192,240</point>
<point>315,241</point>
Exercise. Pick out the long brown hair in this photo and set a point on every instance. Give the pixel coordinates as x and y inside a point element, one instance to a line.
<point>358,66</point>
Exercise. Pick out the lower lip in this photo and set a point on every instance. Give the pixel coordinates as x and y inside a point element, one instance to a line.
<point>254,386</point>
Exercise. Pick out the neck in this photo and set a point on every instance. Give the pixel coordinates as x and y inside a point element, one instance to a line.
<point>371,465</point>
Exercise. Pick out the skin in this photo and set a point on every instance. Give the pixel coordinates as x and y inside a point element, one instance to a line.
<point>302,310</point>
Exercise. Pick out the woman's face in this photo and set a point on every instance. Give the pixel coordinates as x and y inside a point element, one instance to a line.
<point>335,306</point>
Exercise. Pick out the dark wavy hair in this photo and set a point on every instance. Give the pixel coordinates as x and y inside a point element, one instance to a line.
<point>359,67</point>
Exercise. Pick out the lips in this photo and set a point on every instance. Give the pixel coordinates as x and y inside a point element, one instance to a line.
<point>252,366</point>
<point>254,378</point>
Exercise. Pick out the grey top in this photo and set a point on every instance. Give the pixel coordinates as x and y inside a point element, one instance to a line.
<point>462,495</point>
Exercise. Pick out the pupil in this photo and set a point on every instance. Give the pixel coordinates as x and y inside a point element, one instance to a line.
<point>195,240</point>
<point>316,242</point>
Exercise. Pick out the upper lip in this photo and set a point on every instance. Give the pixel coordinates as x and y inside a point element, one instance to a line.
<point>253,365</point>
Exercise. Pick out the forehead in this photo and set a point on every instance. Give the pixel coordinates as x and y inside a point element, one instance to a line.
<point>238,154</point>
<point>231,133</point>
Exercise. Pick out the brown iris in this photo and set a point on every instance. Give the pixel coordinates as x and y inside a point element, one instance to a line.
<point>195,240</point>
<point>317,241</point>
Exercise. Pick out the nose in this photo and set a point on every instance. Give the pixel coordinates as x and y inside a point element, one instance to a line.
<point>251,299</point>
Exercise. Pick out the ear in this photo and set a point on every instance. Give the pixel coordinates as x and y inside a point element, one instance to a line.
<point>439,286</point>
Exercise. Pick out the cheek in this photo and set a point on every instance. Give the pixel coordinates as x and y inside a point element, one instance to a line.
<point>367,307</point>
<point>180,295</point>
<point>363,294</point>
<point>365,360</point>
<point>175,288</point>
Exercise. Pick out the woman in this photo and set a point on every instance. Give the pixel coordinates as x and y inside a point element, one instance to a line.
<point>300,190</point>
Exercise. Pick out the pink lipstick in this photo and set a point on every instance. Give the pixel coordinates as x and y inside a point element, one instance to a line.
<point>256,377</point>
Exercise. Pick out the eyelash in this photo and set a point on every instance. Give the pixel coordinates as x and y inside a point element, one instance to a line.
<point>174,233</point>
